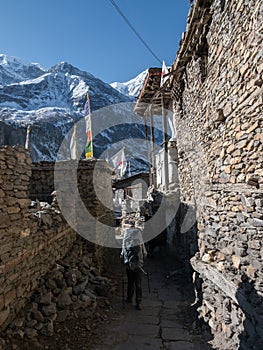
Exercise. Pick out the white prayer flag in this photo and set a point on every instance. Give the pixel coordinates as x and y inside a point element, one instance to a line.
<point>164,76</point>
<point>27,137</point>
<point>73,144</point>
<point>119,162</point>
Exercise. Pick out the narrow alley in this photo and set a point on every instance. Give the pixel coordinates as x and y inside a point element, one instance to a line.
<point>167,320</point>
<point>172,160</point>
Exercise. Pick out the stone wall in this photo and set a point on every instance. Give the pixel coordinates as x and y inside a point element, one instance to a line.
<point>84,191</point>
<point>42,181</point>
<point>217,100</point>
<point>32,237</point>
<point>35,234</point>
<point>82,187</point>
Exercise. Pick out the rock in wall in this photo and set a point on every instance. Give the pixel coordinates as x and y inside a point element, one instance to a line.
<point>217,101</point>
<point>32,239</point>
<point>35,234</point>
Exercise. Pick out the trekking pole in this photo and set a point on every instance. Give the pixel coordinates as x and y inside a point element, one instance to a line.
<point>148,278</point>
<point>123,298</point>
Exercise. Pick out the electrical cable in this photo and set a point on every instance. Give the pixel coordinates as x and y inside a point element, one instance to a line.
<point>134,30</point>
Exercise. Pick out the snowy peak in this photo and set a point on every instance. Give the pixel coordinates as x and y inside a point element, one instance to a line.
<point>131,87</point>
<point>67,68</point>
<point>14,70</point>
<point>52,100</point>
<point>63,67</point>
<point>62,86</point>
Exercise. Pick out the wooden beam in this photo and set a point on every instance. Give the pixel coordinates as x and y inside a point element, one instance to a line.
<point>230,289</point>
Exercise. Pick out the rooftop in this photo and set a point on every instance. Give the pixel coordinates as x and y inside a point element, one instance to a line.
<point>150,99</point>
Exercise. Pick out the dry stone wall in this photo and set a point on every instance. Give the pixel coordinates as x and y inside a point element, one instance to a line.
<point>42,181</point>
<point>32,238</point>
<point>91,180</point>
<point>219,122</point>
<point>84,192</point>
<point>35,234</point>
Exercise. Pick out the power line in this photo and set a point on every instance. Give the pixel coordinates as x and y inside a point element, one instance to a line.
<point>134,30</point>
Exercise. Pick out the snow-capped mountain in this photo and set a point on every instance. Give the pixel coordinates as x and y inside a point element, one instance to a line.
<point>131,87</point>
<point>51,100</point>
<point>61,88</point>
<point>14,70</point>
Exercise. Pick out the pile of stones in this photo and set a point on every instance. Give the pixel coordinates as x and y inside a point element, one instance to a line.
<point>72,284</point>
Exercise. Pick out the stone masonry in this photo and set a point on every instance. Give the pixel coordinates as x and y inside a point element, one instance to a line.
<point>84,194</point>
<point>96,195</point>
<point>35,234</point>
<point>31,239</point>
<point>217,94</point>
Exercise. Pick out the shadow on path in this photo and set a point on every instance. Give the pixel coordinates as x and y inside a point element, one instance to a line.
<point>251,304</point>
<point>167,320</point>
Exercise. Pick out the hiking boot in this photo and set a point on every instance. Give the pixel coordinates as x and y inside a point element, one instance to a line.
<point>139,306</point>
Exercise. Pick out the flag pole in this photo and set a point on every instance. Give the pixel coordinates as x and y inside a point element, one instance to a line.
<point>77,141</point>
<point>165,143</point>
<point>129,164</point>
<point>147,149</point>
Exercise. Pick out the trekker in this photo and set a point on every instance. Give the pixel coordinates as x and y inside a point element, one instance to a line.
<point>132,255</point>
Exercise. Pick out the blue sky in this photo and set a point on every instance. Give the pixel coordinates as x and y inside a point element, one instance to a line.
<point>91,35</point>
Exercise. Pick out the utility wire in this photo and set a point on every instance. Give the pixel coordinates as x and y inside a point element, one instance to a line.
<point>134,30</point>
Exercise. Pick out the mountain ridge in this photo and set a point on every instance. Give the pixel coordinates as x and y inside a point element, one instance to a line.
<point>51,100</point>
<point>13,70</point>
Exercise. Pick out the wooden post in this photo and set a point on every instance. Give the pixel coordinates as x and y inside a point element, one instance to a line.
<point>165,144</point>
<point>148,149</point>
<point>153,152</point>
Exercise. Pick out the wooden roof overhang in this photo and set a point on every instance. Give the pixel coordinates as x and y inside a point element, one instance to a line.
<point>151,96</point>
<point>193,43</point>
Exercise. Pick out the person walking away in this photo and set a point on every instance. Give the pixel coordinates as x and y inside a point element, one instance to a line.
<point>132,255</point>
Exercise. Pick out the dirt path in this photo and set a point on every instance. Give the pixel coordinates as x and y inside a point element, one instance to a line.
<point>165,322</point>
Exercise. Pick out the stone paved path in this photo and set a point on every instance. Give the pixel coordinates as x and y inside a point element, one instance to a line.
<point>165,321</point>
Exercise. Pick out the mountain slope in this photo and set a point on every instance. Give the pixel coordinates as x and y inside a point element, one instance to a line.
<point>52,100</point>
<point>14,70</point>
<point>61,87</point>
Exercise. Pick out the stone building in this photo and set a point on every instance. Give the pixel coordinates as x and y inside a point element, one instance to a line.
<point>215,94</point>
<point>212,181</point>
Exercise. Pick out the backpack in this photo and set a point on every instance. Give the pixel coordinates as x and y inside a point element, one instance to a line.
<point>131,250</point>
<point>133,257</point>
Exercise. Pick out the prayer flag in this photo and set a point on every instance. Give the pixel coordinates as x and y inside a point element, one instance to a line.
<point>164,76</point>
<point>107,156</point>
<point>27,137</point>
<point>89,146</point>
<point>73,144</point>
<point>119,162</point>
